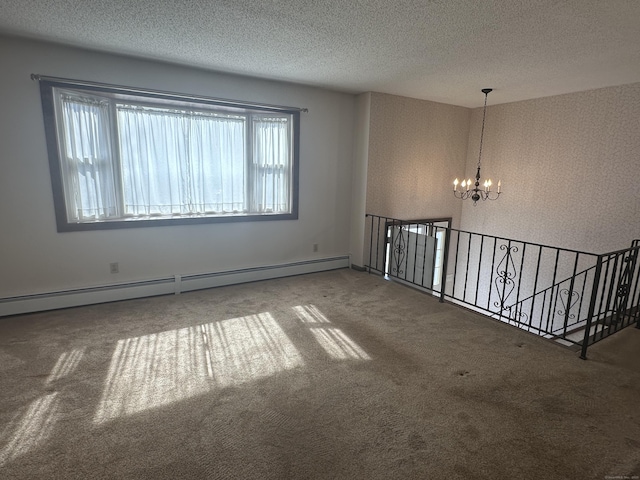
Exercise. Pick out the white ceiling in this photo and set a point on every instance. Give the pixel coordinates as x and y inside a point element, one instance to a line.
<point>440,50</point>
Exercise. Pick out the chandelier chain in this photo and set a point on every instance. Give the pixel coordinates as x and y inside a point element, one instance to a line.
<point>484,116</point>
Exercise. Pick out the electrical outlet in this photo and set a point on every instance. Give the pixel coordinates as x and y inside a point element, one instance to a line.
<point>114,267</point>
<point>315,247</point>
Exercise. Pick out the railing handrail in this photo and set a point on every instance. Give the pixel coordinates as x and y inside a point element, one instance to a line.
<point>557,284</point>
<point>562,249</point>
<point>623,250</point>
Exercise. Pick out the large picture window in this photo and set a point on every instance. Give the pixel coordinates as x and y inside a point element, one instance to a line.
<point>121,159</point>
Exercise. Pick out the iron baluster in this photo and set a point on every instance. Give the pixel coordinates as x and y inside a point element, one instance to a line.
<point>384,240</point>
<point>543,309</point>
<point>466,274</point>
<point>445,263</point>
<point>407,229</point>
<point>584,284</point>
<point>524,251</point>
<point>424,257</point>
<point>611,301</point>
<point>479,268</point>
<point>602,298</point>
<point>493,262</point>
<point>370,242</point>
<point>455,265</point>
<point>592,307</point>
<point>506,273</point>
<point>554,298</point>
<point>535,286</point>
<point>570,295</point>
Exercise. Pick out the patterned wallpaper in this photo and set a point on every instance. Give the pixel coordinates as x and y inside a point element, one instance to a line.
<point>569,165</point>
<point>570,169</point>
<point>416,149</point>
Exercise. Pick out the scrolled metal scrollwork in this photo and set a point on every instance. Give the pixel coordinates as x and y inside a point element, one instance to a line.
<point>399,249</point>
<point>517,315</point>
<point>506,275</point>
<point>568,300</point>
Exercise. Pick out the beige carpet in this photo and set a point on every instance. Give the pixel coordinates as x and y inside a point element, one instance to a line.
<point>333,375</point>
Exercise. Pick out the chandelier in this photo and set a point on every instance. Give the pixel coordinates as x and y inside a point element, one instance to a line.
<point>472,190</point>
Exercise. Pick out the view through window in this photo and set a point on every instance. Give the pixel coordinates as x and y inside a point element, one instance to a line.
<point>119,158</point>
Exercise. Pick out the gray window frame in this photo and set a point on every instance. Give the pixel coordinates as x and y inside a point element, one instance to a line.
<point>51,135</point>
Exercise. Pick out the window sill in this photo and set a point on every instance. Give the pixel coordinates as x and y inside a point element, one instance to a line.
<point>165,221</point>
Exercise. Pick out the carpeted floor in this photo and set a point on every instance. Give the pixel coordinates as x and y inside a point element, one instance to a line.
<point>333,375</point>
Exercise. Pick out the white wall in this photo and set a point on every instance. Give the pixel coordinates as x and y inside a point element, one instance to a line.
<point>36,258</point>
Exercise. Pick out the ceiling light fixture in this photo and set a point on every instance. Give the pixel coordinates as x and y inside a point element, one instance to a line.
<point>476,193</point>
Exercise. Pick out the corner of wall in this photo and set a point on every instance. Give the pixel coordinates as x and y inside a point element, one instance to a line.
<point>359,177</point>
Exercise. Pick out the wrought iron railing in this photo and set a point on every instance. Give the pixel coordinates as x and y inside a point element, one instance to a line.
<point>560,309</point>
<point>615,298</point>
<point>571,296</point>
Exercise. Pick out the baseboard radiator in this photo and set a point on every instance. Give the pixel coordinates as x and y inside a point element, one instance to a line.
<point>175,284</point>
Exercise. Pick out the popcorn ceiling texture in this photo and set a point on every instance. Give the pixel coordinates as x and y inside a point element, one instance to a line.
<point>439,50</point>
<point>569,166</point>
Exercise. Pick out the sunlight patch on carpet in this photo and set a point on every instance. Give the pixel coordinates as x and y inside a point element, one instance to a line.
<point>333,340</point>
<point>338,345</point>
<point>30,429</point>
<point>248,348</point>
<point>162,368</point>
<point>310,314</point>
<point>66,364</point>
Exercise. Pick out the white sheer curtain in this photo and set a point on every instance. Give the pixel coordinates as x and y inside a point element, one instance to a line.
<point>176,162</point>
<point>217,153</point>
<point>271,169</point>
<point>170,161</point>
<point>87,169</point>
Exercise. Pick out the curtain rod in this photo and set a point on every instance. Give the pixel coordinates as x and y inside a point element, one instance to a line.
<point>181,96</point>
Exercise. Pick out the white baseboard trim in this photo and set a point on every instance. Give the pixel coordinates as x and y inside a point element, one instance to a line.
<point>162,286</point>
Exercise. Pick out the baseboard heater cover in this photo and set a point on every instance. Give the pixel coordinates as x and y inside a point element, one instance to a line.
<point>163,286</point>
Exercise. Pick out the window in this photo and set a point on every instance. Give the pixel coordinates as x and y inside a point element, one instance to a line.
<point>122,158</point>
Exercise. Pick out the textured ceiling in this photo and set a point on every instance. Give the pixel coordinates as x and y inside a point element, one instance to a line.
<point>440,50</point>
